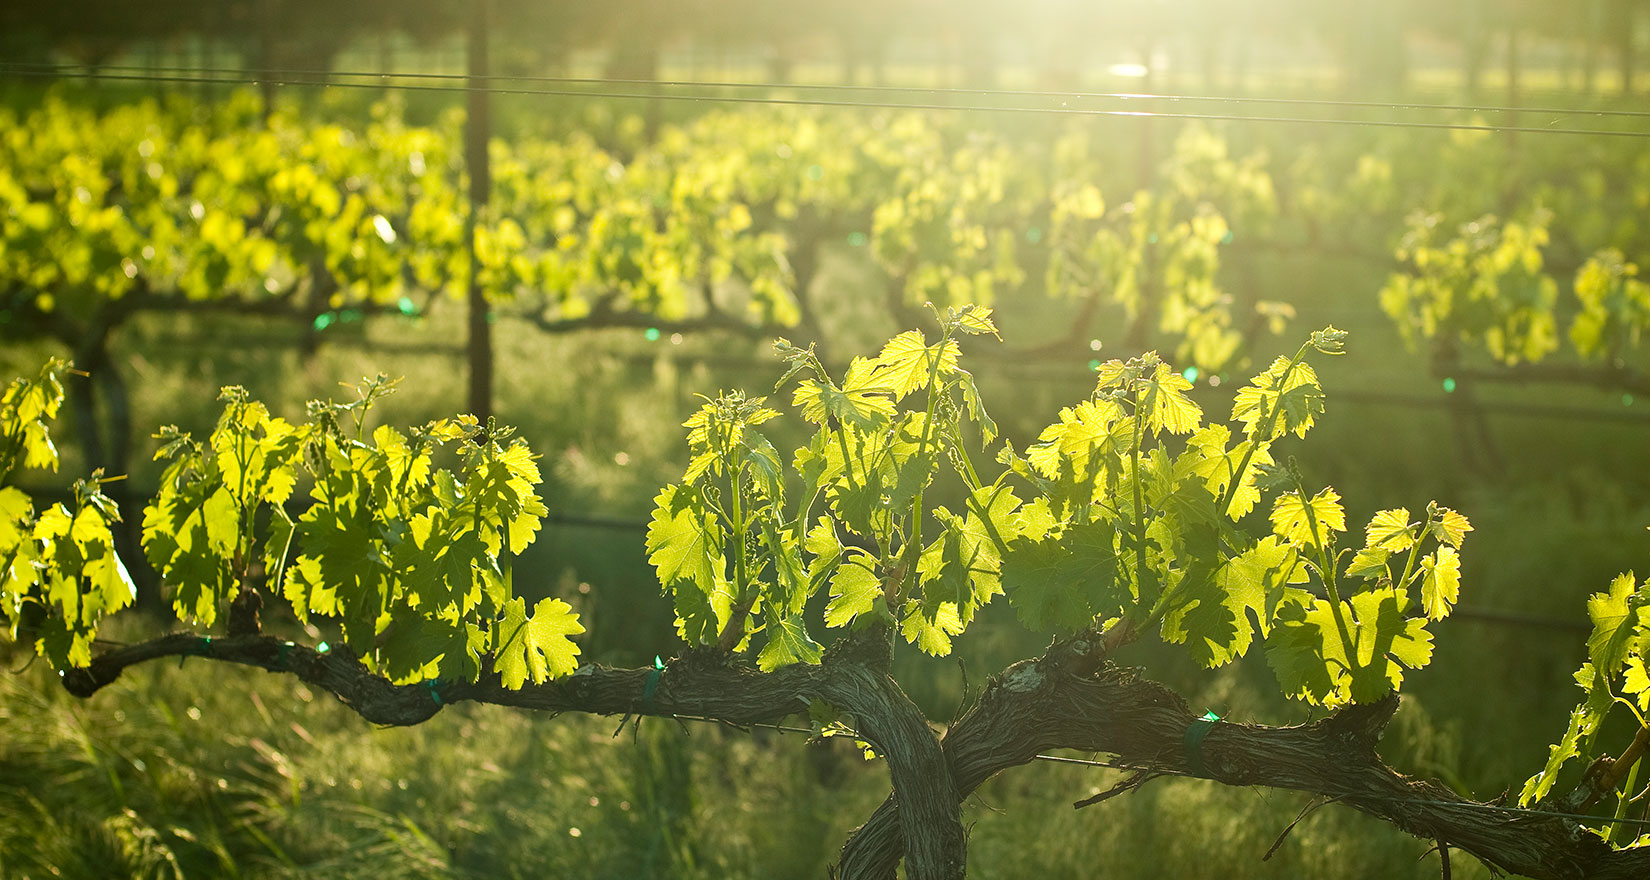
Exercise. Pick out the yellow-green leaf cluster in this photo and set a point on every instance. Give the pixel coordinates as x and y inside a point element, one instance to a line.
<point>1615,674</point>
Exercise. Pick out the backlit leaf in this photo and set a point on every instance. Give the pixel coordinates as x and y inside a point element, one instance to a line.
<point>1451,527</point>
<point>854,589</point>
<point>788,642</point>
<point>1295,519</point>
<point>1168,407</point>
<point>1390,530</point>
<point>1614,618</point>
<point>1061,584</point>
<point>1440,582</point>
<point>931,633</point>
<point>535,648</point>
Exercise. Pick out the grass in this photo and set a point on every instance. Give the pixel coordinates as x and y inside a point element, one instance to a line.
<point>205,772</point>
<point>208,771</point>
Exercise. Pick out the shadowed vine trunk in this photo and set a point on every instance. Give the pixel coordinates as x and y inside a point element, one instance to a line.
<point>1071,697</point>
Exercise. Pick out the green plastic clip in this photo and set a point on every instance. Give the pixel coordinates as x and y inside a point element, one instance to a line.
<point>1195,733</point>
<point>434,685</point>
<point>200,649</point>
<point>652,684</point>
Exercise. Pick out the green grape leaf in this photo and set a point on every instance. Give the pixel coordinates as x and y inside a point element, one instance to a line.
<point>27,405</point>
<point>1082,432</point>
<point>1440,582</point>
<point>62,641</point>
<point>189,536</point>
<point>825,549</point>
<point>1329,340</point>
<point>1450,527</point>
<point>791,587</point>
<point>255,454</point>
<point>931,633</point>
<point>1302,404</point>
<point>1311,662</point>
<point>106,575</point>
<point>1298,647</point>
<point>906,362</point>
<point>535,648</point>
<point>974,320</point>
<point>976,406</point>
<point>1581,725</point>
<point>502,492</point>
<point>702,614</point>
<point>1217,617</point>
<point>1060,584</point>
<point>38,450</point>
<point>16,509</point>
<point>443,563</point>
<point>1614,620</point>
<point>1290,517</point>
<point>277,551</point>
<point>1166,404</point>
<point>1388,643</point>
<point>683,539</point>
<point>1290,398</point>
<point>788,642</point>
<point>1578,735</point>
<point>859,403</point>
<point>1636,682</point>
<point>424,647</point>
<point>1370,564</point>
<point>1033,521</point>
<point>684,544</point>
<point>943,568</point>
<point>964,565</point>
<point>765,465</point>
<point>1390,530</point>
<point>855,589</point>
<point>1207,458</point>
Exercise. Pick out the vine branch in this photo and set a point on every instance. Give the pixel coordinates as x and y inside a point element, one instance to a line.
<point>1071,698</point>
<point>702,684</point>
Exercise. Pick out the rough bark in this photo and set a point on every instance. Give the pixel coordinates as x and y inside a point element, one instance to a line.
<point>1068,698</point>
<point>701,684</point>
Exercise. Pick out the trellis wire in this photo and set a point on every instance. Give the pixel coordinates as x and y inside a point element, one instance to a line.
<point>320,76</point>
<point>817,102</point>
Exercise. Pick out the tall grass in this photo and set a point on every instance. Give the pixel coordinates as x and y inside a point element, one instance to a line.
<point>206,771</point>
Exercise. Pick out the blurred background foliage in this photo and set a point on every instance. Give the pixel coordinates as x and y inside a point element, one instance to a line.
<point>199,771</point>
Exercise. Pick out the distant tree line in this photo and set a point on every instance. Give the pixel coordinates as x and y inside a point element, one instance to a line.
<point>1211,44</point>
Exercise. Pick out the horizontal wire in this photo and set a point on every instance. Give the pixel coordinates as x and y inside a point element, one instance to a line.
<point>1555,412</point>
<point>782,728</point>
<point>881,105</point>
<point>1514,618</point>
<point>844,87</point>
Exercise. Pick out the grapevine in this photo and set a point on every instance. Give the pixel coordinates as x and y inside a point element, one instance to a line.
<point>1131,517</point>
